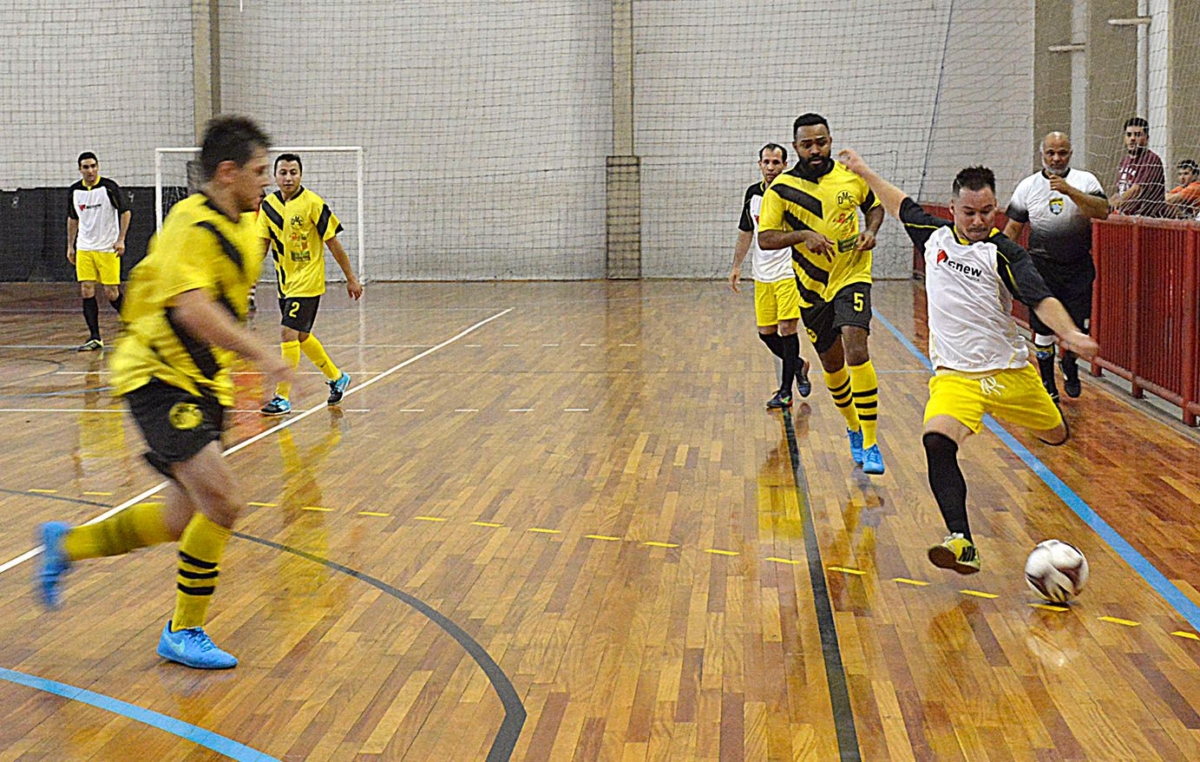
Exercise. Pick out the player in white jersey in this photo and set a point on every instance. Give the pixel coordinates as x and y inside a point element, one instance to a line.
<point>97,221</point>
<point>776,295</point>
<point>1059,204</point>
<point>980,361</point>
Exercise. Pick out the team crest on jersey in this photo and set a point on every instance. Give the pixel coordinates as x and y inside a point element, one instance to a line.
<point>1056,206</point>
<point>845,197</point>
<point>185,416</point>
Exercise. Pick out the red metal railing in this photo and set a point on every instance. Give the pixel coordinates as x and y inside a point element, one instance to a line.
<point>1145,307</point>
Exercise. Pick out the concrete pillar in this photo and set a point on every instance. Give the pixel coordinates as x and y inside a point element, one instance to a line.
<point>1051,71</point>
<point>623,186</point>
<point>206,62</point>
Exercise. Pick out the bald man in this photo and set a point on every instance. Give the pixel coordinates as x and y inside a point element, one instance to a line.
<point>1058,204</point>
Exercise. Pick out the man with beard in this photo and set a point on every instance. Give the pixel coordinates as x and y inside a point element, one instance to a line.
<point>813,208</point>
<point>1059,204</point>
<point>1141,185</point>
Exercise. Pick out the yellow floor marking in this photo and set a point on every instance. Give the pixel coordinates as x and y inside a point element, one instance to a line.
<point>485,524</point>
<point>263,505</point>
<point>662,544</point>
<point>978,594</point>
<point>373,513</point>
<point>43,491</point>
<point>782,560</point>
<point>316,508</point>
<point>721,552</point>
<point>907,581</point>
<point>101,494</point>
<point>601,537</point>
<point>428,518</point>
<point>845,570</point>
<point>1188,635</point>
<point>1125,622</point>
<point>540,530</point>
<point>1049,607</point>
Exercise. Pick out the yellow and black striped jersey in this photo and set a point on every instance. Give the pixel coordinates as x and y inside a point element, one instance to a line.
<point>828,205</point>
<point>298,229</point>
<point>197,248</point>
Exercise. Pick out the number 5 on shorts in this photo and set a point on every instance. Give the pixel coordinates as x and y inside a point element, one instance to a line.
<point>858,301</point>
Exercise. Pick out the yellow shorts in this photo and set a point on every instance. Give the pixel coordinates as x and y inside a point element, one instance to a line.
<point>101,266</point>
<point>1016,396</point>
<point>776,301</point>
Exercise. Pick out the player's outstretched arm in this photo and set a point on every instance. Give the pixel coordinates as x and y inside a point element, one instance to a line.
<point>889,195</point>
<point>353,286</point>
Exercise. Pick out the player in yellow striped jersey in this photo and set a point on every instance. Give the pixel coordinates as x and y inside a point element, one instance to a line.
<point>184,326</point>
<point>813,208</point>
<point>297,225</point>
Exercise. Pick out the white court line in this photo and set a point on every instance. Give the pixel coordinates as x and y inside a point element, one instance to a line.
<point>262,435</point>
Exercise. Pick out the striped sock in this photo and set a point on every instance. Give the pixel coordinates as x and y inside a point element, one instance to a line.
<point>200,550</point>
<point>865,384</point>
<point>839,388</point>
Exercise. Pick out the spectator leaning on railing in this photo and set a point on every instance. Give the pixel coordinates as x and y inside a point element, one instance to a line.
<point>1140,179</point>
<point>1184,199</point>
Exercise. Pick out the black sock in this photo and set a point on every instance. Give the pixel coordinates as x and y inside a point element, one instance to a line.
<point>791,361</point>
<point>1070,366</point>
<point>946,480</point>
<point>116,303</point>
<point>773,342</point>
<point>91,313</point>
<point>1045,361</point>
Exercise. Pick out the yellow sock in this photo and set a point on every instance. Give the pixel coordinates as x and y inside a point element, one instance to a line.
<point>315,352</point>
<point>839,388</point>
<point>200,550</point>
<point>865,384</point>
<point>291,355</point>
<point>133,528</point>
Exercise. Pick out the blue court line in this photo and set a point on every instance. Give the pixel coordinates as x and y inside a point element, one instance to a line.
<point>186,731</point>
<point>1156,579</point>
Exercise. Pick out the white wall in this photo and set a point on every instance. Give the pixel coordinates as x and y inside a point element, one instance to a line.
<point>115,79</point>
<point>717,79</point>
<point>485,127</point>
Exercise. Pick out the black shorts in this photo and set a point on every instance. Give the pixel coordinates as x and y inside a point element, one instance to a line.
<point>176,424</point>
<point>1071,285</point>
<point>299,312</point>
<point>825,320</point>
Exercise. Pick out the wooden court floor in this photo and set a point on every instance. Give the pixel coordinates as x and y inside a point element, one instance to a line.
<point>553,521</point>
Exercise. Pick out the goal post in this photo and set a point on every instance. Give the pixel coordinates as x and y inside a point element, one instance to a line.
<point>337,189</point>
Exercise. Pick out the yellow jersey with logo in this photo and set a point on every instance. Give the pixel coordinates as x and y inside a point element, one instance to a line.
<point>828,205</point>
<point>298,229</point>
<point>197,248</point>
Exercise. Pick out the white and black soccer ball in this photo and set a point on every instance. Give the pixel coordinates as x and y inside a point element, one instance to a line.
<point>1056,570</point>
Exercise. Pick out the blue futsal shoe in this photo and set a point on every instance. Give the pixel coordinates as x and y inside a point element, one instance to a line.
<point>856,448</point>
<point>872,460</point>
<point>337,388</point>
<point>193,648</point>
<point>54,562</point>
<point>277,406</point>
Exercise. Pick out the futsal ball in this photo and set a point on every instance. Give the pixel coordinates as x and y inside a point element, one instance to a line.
<point>1056,571</point>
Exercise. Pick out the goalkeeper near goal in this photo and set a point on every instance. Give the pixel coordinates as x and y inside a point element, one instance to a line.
<point>296,225</point>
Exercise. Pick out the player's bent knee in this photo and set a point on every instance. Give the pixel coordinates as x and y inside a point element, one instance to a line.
<point>936,443</point>
<point>1054,437</point>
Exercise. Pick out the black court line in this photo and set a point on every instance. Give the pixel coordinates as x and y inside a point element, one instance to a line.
<point>835,673</point>
<point>514,710</point>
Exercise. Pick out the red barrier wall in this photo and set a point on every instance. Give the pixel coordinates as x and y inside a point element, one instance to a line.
<point>1145,308</point>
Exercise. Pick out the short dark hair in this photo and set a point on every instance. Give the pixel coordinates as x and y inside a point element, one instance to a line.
<point>1188,164</point>
<point>974,178</point>
<point>288,157</point>
<point>808,120</point>
<point>1137,121</point>
<point>772,147</point>
<point>230,138</point>
<point>84,156</point>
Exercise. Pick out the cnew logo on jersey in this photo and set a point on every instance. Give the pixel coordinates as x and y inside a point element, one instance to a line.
<point>1056,205</point>
<point>943,258</point>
